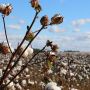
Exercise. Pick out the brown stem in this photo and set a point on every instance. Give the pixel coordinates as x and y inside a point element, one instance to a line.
<point>25,66</point>
<point>3,17</point>
<point>22,54</point>
<point>1,81</point>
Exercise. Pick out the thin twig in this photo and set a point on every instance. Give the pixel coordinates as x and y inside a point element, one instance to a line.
<point>22,54</point>
<point>3,17</point>
<point>3,76</point>
<point>25,66</point>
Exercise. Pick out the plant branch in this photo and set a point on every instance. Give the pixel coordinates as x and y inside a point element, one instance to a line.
<point>3,17</point>
<point>18,48</point>
<point>22,54</point>
<point>25,66</point>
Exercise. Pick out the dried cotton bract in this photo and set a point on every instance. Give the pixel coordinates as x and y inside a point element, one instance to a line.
<point>5,9</point>
<point>35,5</point>
<point>56,19</point>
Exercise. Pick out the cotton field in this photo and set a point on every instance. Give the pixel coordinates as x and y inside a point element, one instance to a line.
<point>70,72</point>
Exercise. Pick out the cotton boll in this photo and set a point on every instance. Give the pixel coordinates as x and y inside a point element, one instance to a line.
<point>11,85</point>
<point>30,82</point>
<point>20,63</point>
<point>26,70</point>
<point>25,54</point>
<point>64,64</point>
<point>17,77</point>
<point>42,84</point>
<point>4,43</point>
<point>49,71</point>
<point>0,72</point>
<point>52,53</point>
<point>56,88</point>
<point>27,76</point>
<point>30,50</point>
<point>52,86</point>
<point>63,71</point>
<point>49,85</point>
<point>73,89</point>
<point>18,86</point>
<point>23,82</point>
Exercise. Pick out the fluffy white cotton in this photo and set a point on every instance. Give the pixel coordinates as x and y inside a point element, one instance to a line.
<point>0,72</point>
<point>24,82</point>
<point>18,86</point>
<point>64,64</point>
<point>29,51</point>
<point>52,86</point>
<point>4,43</point>
<point>49,71</point>
<point>52,53</point>
<point>63,71</point>
<point>30,82</point>
<point>73,89</point>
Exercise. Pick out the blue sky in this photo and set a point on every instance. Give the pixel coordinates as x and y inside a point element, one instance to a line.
<point>72,34</point>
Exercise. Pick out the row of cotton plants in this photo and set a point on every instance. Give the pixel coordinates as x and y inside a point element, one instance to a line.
<point>64,75</point>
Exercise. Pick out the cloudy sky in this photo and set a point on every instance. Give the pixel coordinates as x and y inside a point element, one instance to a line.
<point>72,34</point>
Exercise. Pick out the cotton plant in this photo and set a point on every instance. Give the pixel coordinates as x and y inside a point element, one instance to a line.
<point>5,10</point>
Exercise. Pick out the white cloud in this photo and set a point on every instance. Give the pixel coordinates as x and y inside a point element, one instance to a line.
<point>56,29</point>
<point>21,22</point>
<point>77,30</point>
<point>79,22</point>
<point>14,26</point>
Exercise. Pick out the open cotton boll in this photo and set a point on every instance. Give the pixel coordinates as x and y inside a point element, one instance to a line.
<point>18,86</point>
<point>0,72</point>
<point>49,71</point>
<point>52,86</point>
<point>30,82</point>
<point>26,70</point>
<point>10,85</point>
<point>29,51</point>
<point>73,89</point>
<point>64,64</point>
<point>63,71</point>
<point>24,82</point>
<point>4,43</point>
<point>25,54</point>
<point>52,53</point>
